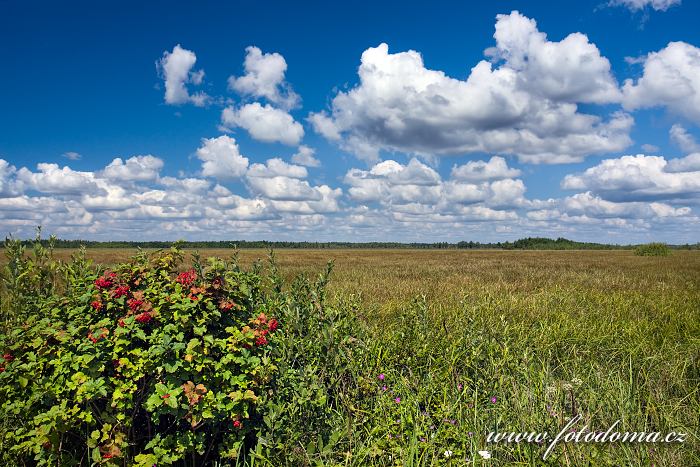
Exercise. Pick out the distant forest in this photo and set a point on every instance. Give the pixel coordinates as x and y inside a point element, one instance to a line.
<point>530,243</point>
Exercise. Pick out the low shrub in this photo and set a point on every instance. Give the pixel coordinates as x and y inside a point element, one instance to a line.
<point>147,364</point>
<point>652,249</point>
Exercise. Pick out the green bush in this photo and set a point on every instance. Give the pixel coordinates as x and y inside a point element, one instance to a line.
<point>142,365</point>
<point>652,249</point>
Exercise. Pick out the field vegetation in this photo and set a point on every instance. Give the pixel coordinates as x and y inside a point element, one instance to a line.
<point>395,357</point>
<point>652,249</point>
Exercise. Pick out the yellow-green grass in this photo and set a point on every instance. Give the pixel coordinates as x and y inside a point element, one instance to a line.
<point>386,277</point>
<point>605,334</point>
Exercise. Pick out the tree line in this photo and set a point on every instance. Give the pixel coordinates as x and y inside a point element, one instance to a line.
<point>529,243</point>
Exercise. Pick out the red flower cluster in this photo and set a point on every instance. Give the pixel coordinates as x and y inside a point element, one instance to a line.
<point>186,278</point>
<point>106,281</point>
<point>262,327</point>
<point>237,424</point>
<point>262,340</point>
<point>134,303</point>
<point>96,304</point>
<point>144,317</point>
<point>120,291</point>
<point>7,358</point>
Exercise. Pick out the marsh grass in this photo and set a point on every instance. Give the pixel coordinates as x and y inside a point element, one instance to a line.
<point>604,334</point>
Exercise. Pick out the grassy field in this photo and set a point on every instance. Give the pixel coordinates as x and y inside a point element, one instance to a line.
<point>470,342</point>
<point>388,277</point>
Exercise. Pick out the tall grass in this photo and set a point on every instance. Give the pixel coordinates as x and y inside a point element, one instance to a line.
<point>473,342</point>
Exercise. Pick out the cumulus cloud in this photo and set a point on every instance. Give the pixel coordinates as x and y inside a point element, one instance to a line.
<point>589,213</point>
<point>326,202</point>
<point>52,179</point>
<point>387,201</point>
<point>99,204</point>
<point>593,206</point>
<point>221,158</point>
<point>277,168</point>
<point>640,178</point>
<point>137,168</point>
<point>571,70</point>
<point>671,78</point>
<point>284,184</point>
<point>636,5</point>
<point>305,156</point>
<point>264,77</point>
<point>8,184</point>
<point>683,139</point>
<point>264,123</point>
<point>176,70</point>
<point>689,163</point>
<point>475,171</point>
<point>525,105</point>
<point>283,188</point>
<point>410,191</point>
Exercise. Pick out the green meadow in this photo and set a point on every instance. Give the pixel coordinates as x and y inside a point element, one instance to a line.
<point>385,357</point>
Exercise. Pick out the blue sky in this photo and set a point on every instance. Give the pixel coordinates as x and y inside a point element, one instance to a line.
<point>578,120</point>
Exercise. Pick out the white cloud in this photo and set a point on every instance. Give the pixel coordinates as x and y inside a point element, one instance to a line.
<point>671,78</point>
<point>683,139</point>
<point>54,180</point>
<point>506,193</point>
<point>264,123</point>
<point>474,171</point>
<point>305,156</point>
<point>571,70</point>
<point>264,77</point>
<point>277,167</point>
<point>407,191</point>
<point>72,155</point>
<point>526,106</point>
<point>324,126</point>
<point>650,148</point>
<point>9,186</point>
<point>586,204</point>
<point>137,168</point>
<point>283,188</point>
<point>636,5</point>
<point>689,163</point>
<point>639,178</point>
<point>283,182</point>
<point>176,69</point>
<point>221,158</point>
<point>88,203</point>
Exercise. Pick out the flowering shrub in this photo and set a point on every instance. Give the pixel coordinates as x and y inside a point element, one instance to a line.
<point>139,365</point>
